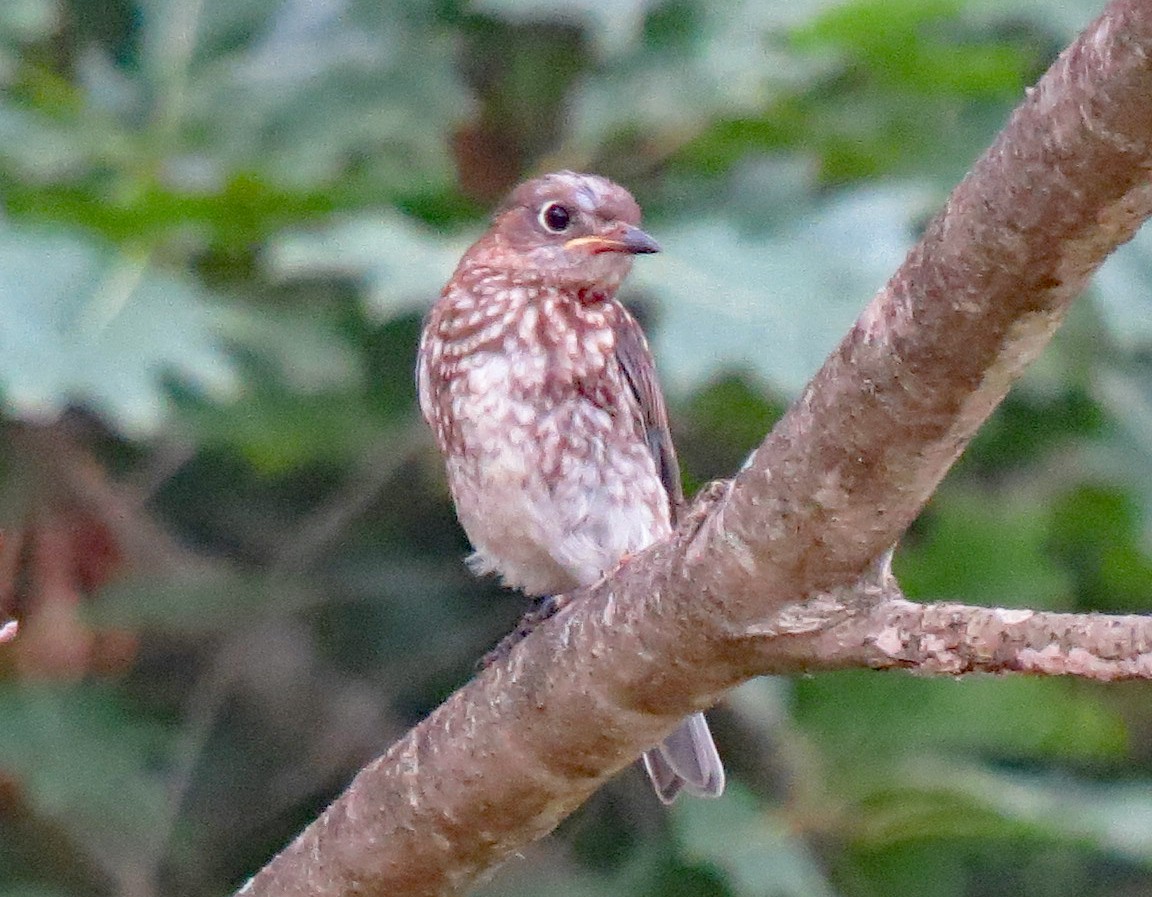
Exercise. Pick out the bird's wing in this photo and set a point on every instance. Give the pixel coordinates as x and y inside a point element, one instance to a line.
<point>639,370</point>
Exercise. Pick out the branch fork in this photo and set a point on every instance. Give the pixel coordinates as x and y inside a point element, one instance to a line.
<point>781,574</point>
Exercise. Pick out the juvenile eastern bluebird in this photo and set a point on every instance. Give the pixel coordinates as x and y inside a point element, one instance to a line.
<point>542,394</point>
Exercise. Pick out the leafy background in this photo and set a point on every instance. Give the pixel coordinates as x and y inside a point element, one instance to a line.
<point>227,536</point>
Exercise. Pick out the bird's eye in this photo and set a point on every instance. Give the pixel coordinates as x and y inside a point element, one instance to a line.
<point>555,218</point>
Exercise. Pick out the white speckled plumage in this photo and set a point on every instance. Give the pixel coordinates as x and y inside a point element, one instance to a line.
<point>541,392</point>
<point>546,505</point>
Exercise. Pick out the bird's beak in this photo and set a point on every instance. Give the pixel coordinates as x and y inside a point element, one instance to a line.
<point>622,238</point>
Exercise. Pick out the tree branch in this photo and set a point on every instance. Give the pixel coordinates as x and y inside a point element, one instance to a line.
<point>778,574</point>
<point>953,639</point>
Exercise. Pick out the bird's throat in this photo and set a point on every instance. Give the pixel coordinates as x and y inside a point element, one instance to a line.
<point>592,296</point>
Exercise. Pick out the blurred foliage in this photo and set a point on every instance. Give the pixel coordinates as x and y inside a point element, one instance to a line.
<point>227,537</point>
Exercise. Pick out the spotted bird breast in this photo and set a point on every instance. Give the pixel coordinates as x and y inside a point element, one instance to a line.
<point>546,458</point>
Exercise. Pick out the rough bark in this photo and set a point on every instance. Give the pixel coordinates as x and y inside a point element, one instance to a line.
<point>779,571</point>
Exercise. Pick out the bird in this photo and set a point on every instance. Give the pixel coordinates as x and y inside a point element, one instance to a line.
<point>541,392</point>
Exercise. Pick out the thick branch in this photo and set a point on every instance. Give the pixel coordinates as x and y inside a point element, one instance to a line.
<point>767,579</point>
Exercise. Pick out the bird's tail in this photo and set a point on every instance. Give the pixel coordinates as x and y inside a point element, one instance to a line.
<point>686,761</point>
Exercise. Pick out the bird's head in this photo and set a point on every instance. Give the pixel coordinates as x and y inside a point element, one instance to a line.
<point>570,229</point>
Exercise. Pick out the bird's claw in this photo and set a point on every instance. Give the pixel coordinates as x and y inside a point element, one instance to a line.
<point>544,609</point>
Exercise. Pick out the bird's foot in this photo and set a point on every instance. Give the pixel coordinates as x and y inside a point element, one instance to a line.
<point>710,495</point>
<point>543,609</point>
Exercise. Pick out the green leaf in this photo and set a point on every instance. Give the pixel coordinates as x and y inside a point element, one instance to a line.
<point>916,88</point>
<point>195,604</point>
<point>88,761</point>
<point>719,426</point>
<point>1115,816</point>
<point>614,27</point>
<point>41,149</point>
<point>963,801</point>
<point>699,62</point>
<point>1098,537</point>
<point>1067,18</point>
<point>301,91</point>
<point>1010,537</point>
<point>400,264</point>
<point>23,21</point>
<point>1044,413</point>
<point>80,323</point>
<point>294,95</point>
<point>895,719</point>
<point>1122,289</point>
<point>922,45</point>
<point>1123,385</point>
<point>28,20</point>
<point>756,850</point>
<point>277,430</point>
<point>304,349</point>
<point>921,810</point>
<point>778,302</point>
